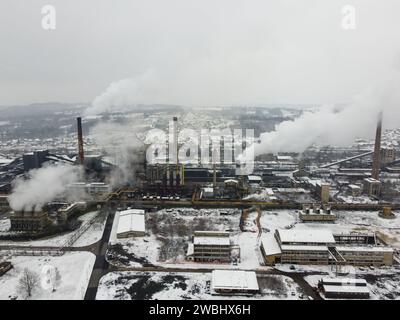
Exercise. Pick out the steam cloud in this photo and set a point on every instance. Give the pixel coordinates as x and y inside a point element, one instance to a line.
<point>332,126</point>
<point>125,92</point>
<point>45,185</point>
<point>121,144</point>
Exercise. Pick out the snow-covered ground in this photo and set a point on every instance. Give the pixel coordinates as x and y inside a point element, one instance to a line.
<point>90,236</point>
<point>74,270</point>
<point>169,286</point>
<point>168,232</point>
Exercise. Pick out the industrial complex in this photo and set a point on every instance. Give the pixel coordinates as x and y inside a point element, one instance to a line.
<point>293,211</point>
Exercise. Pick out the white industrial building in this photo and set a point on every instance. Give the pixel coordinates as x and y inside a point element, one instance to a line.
<point>131,223</point>
<point>234,281</point>
<point>344,288</point>
<point>207,192</point>
<point>316,213</point>
<point>320,246</point>
<point>210,246</point>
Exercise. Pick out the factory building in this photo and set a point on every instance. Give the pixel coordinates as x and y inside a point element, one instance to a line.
<point>366,255</point>
<point>207,193</point>
<point>372,187</point>
<point>4,205</point>
<point>355,190</point>
<point>234,281</point>
<point>131,223</point>
<point>34,160</point>
<point>322,191</point>
<point>29,221</point>
<point>94,189</point>
<point>388,155</point>
<point>322,247</point>
<point>316,213</point>
<point>344,288</point>
<point>210,246</point>
<point>68,210</point>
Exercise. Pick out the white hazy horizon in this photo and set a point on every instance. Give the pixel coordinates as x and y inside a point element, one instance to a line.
<point>195,53</point>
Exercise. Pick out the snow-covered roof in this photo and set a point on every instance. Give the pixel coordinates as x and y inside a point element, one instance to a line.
<point>270,245</point>
<point>303,248</point>
<point>231,181</point>
<point>130,222</point>
<point>322,236</point>
<point>254,178</point>
<point>131,211</point>
<point>344,281</point>
<point>364,248</point>
<point>234,279</point>
<point>371,180</point>
<point>211,240</point>
<point>284,157</point>
<point>345,289</point>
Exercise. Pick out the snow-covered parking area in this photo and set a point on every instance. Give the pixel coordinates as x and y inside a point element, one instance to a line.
<point>72,273</point>
<point>185,285</point>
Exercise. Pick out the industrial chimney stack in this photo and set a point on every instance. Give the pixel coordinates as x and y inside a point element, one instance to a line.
<point>376,164</point>
<point>80,141</point>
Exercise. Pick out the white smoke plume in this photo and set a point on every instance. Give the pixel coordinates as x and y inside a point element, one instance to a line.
<point>122,145</point>
<point>45,184</point>
<point>332,126</point>
<point>125,93</point>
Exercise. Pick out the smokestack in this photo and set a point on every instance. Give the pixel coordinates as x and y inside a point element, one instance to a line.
<point>176,141</point>
<point>80,141</point>
<point>214,177</point>
<point>377,149</point>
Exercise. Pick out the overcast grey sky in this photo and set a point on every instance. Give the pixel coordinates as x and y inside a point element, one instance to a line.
<point>196,52</point>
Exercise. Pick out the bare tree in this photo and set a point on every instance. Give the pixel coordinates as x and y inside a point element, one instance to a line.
<point>28,282</point>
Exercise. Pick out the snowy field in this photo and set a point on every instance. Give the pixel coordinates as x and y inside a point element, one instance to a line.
<point>73,274</point>
<point>168,233</point>
<point>90,236</point>
<point>169,286</point>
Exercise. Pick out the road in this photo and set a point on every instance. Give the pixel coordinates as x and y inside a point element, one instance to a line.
<point>101,266</point>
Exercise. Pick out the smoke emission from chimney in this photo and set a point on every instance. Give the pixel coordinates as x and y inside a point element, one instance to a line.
<point>330,126</point>
<point>45,184</point>
<point>121,144</point>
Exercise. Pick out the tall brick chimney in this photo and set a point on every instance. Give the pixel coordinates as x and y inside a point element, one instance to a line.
<point>80,141</point>
<point>376,164</point>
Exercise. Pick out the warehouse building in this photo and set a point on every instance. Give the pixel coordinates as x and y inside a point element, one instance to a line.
<point>131,223</point>
<point>210,246</point>
<point>344,288</point>
<point>234,281</point>
<point>316,214</point>
<point>321,247</point>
